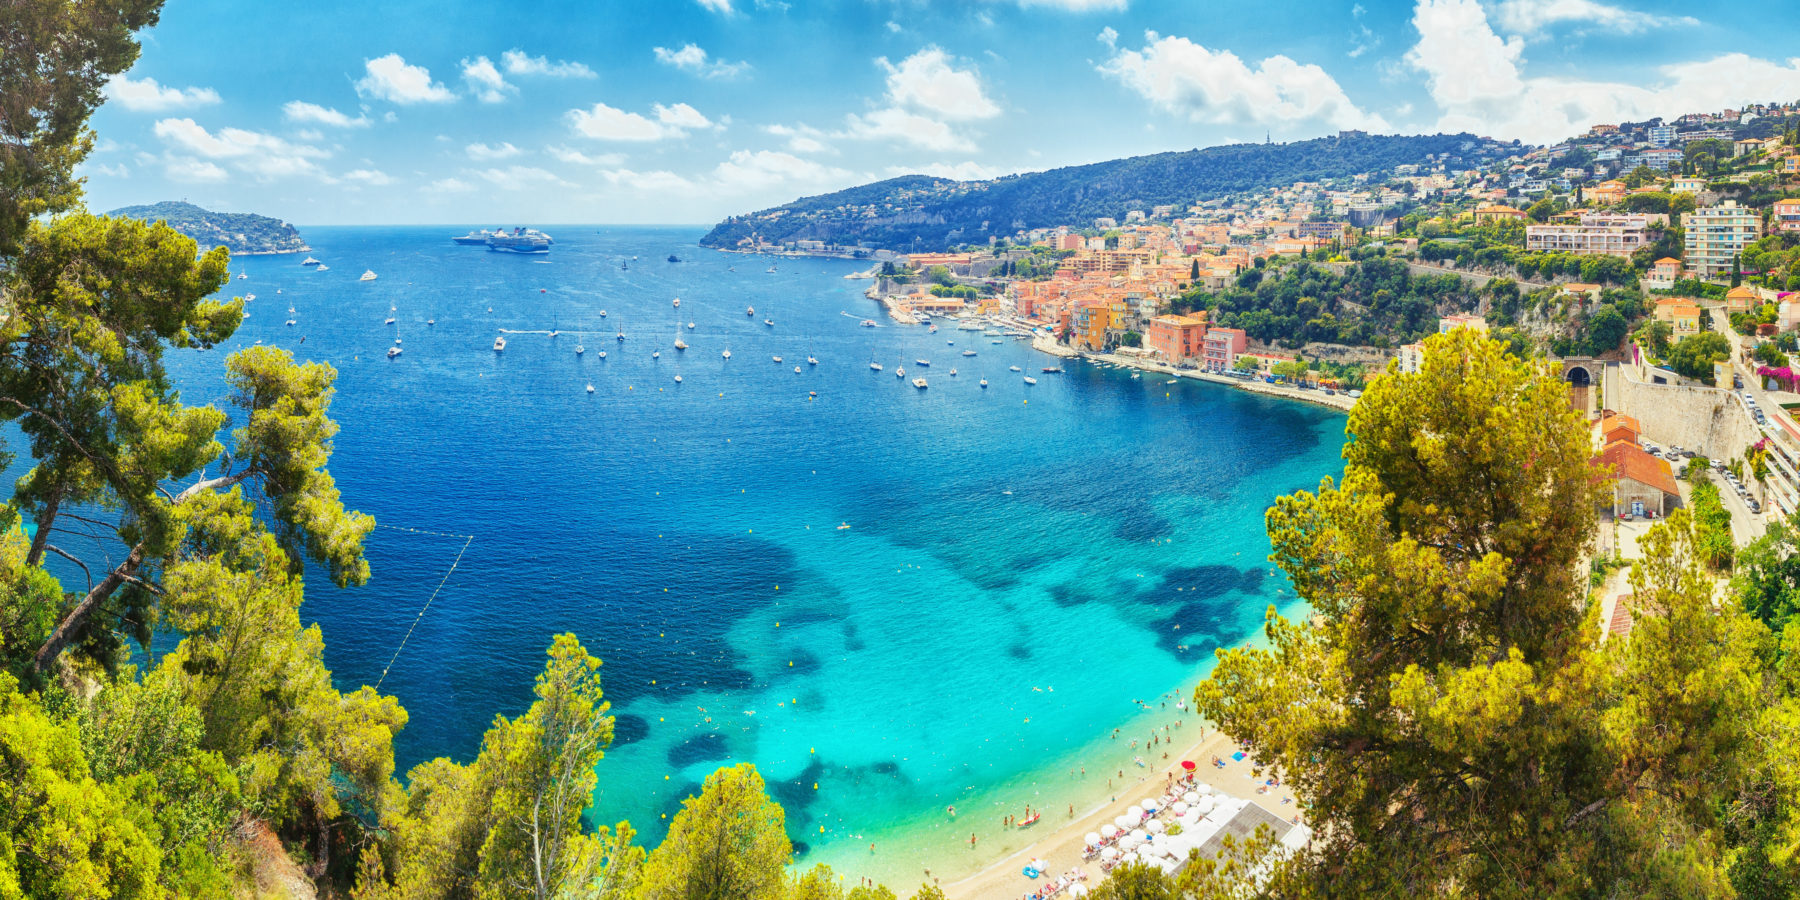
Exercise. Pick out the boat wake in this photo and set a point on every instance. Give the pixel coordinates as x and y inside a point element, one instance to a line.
<point>853,316</point>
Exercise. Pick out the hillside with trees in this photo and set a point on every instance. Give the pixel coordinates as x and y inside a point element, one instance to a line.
<point>917,212</point>
<point>244,234</point>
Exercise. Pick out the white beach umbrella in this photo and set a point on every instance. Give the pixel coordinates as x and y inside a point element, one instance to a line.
<point>1092,839</point>
<point>1178,807</point>
<point>1206,805</point>
<point>1191,796</point>
<point>1187,819</point>
<point>1109,831</point>
<point>1078,890</point>
<point>1112,853</point>
<point>1154,826</point>
<point>1136,813</point>
<point>1203,788</point>
<point>1125,822</point>
<point>1129,841</point>
<point>1150,803</point>
<point>1141,835</point>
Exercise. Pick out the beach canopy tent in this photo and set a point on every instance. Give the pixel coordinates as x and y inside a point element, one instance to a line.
<point>1092,839</point>
<point>1109,830</point>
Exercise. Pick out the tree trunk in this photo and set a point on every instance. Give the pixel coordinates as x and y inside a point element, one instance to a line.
<point>44,520</point>
<point>65,630</point>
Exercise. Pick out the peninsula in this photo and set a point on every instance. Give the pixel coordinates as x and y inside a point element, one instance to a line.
<point>244,234</point>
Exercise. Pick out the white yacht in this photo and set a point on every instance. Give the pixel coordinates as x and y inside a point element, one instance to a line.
<point>678,379</point>
<point>390,321</point>
<point>680,344</point>
<point>1014,368</point>
<point>900,372</point>
<point>875,365</point>
<point>590,387</point>
<point>499,344</point>
<point>309,261</point>
<point>580,349</point>
<point>431,321</point>
<point>393,352</point>
<point>984,382</point>
<point>796,370</point>
<point>778,359</point>
<point>952,373</point>
<point>656,354</point>
<point>367,275</point>
<point>769,322</point>
<point>603,314</point>
<point>322,268</point>
<point>1030,380</point>
<point>727,354</point>
<point>919,383</point>
<point>812,360</point>
<point>750,311</point>
<point>690,326</point>
<point>677,302</point>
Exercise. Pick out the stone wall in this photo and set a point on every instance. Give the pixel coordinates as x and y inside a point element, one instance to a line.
<point>1705,420</point>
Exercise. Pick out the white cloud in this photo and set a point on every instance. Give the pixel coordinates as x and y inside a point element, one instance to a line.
<point>898,124</point>
<point>1217,87</point>
<point>518,178</point>
<point>693,58</point>
<point>148,96</point>
<point>1108,36</point>
<point>262,155</point>
<point>764,169</point>
<point>657,182</point>
<point>517,62</point>
<point>485,81</point>
<point>800,138</point>
<point>722,7</point>
<point>484,152</point>
<point>371,177</point>
<point>310,134</point>
<point>450,186</point>
<point>301,111</point>
<point>391,78</point>
<point>1478,82</point>
<point>187,168</point>
<point>119,171</point>
<point>927,81</point>
<point>576,157</point>
<point>1530,17</point>
<point>607,123</point>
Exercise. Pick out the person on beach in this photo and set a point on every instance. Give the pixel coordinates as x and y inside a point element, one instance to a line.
<point>971,842</point>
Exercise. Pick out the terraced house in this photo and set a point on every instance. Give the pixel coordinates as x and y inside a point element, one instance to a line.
<point>1609,234</point>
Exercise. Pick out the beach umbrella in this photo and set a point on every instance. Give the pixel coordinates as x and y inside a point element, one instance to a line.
<point>1203,788</point>
<point>1092,839</point>
<point>1191,796</point>
<point>1188,764</point>
<point>1150,803</point>
<point>1206,805</point>
<point>1109,831</point>
<point>1129,841</point>
<point>1178,807</point>
<point>1154,826</point>
<point>1135,813</point>
<point>1125,823</point>
<point>1141,835</point>
<point>1078,890</point>
<point>1112,853</point>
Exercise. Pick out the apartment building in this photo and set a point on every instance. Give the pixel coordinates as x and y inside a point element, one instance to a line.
<point>1716,235</point>
<point>1599,234</point>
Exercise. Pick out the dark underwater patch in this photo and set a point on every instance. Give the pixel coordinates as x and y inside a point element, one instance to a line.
<point>699,748</point>
<point>629,729</point>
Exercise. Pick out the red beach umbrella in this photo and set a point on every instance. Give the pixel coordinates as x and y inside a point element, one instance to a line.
<point>1188,764</point>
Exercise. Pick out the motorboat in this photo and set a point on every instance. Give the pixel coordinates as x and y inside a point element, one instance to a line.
<point>590,387</point>
<point>603,314</point>
<point>968,353</point>
<point>1013,368</point>
<point>952,373</point>
<point>431,321</point>
<point>293,321</point>
<point>554,332</point>
<point>322,268</point>
<point>603,354</point>
<point>1030,380</point>
<point>690,326</point>
<point>367,275</point>
<point>778,359</point>
<point>499,344</point>
<point>680,344</point>
<point>1052,370</point>
<point>769,322</point>
<point>309,261</point>
<point>796,370</point>
<point>678,379</point>
<point>656,354</point>
<point>923,362</point>
<point>243,276</point>
<point>390,321</point>
<point>677,302</point>
<point>750,311</point>
<point>919,383</point>
<point>868,323</point>
<point>727,354</point>
<point>875,366</point>
<point>812,360</point>
<point>580,349</point>
<point>393,352</point>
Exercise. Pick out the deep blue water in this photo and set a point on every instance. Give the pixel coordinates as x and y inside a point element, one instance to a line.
<point>1021,562</point>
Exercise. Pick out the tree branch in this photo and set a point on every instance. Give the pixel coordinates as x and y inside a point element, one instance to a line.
<point>66,555</point>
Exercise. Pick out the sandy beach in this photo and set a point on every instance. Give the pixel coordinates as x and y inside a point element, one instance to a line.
<point>1062,846</point>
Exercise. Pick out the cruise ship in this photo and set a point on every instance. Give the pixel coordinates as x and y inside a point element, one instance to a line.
<point>521,240</point>
<point>477,238</point>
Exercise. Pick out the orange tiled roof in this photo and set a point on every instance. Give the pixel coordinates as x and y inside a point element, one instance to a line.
<point>1620,421</point>
<point>1630,461</point>
<point>1668,259</point>
<point>1621,618</point>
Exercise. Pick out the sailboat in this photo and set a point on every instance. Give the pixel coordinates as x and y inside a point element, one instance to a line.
<point>727,353</point>
<point>580,349</point>
<point>367,275</point>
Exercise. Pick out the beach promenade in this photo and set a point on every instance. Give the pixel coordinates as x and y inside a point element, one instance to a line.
<point>1062,845</point>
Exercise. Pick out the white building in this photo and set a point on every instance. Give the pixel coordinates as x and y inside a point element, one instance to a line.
<point>1716,235</point>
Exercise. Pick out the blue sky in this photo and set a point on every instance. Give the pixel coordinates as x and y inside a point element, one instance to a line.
<point>685,111</point>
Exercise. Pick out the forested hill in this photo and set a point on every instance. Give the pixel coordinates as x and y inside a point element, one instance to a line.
<point>917,212</point>
<point>241,233</point>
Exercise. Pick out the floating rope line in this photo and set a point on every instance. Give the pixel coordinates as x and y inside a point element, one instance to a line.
<point>467,540</point>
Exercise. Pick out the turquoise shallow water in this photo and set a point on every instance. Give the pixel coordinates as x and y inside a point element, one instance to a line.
<point>1022,563</point>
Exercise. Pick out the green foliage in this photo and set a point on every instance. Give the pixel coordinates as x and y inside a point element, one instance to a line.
<point>1712,525</point>
<point>1131,339</point>
<point>1769,354</point>
<point>1606,327</point>
<point>1377,302</point>
<point>1766,577</point>
<point>1693,356</point>
<point>726,844</point>
<point>1654,336</point>
<point>59,55</point>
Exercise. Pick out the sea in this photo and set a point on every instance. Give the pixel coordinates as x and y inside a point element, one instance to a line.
<point>893,601</point>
